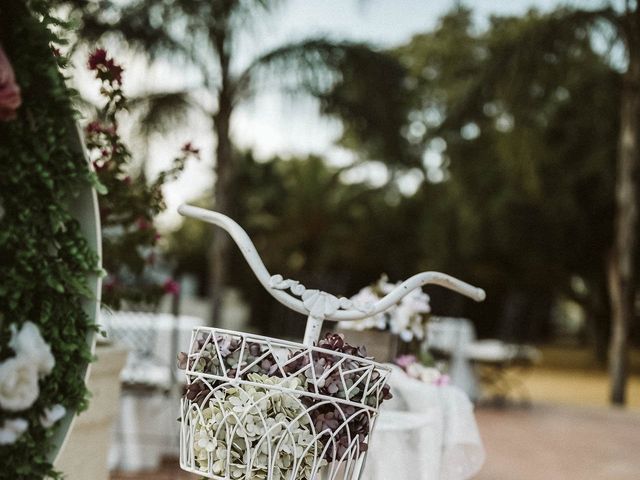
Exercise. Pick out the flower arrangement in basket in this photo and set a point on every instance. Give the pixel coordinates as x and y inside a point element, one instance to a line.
<point>259,408</point>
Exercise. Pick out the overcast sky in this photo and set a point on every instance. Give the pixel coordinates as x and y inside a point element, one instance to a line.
<point>275,124</point>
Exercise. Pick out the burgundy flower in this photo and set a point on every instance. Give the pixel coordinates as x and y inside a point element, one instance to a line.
<point>196,391</point>
<point>114,71</point>
<point>171,287</point>
<point>190,149</point>
<point>106,69</point>
<point>143,224</point>
<point>10,98</point>
<point>94,127</point>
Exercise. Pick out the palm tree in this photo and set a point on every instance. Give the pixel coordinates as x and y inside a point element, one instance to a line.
<point>204,33</point>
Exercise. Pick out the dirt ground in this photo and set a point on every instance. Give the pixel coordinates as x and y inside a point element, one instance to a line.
<point>569,433</point>
<point>560,443</point>
<point>544,442</point>
<point>579,387</point>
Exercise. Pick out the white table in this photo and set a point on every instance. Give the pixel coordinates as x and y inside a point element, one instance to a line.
<point>425,432</point>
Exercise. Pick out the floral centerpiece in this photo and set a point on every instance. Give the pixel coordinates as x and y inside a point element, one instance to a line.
<point>407,319</point>
<point>261,408</point>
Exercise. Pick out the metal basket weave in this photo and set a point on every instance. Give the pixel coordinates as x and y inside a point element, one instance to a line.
<point>262,408</point>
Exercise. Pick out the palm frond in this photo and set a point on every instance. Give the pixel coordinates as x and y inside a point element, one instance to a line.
<point>144,25</point>
<point>159,112</point>
<point>363,87</point>
<point>311,64</point>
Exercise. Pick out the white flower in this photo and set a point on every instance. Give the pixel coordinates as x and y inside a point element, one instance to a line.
<point>29,343</point>
<point>12,429</point>
<point>364,300</point>
<point>52,415</point>
<point>429,375</point>
<point>255,432</point>
<point>18,384</point>
<point>404,319</point>
<point>414,370</point>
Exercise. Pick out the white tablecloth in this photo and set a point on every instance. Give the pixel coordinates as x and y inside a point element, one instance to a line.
<point>425,432</point>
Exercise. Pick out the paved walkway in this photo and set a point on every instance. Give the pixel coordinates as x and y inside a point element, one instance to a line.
<point>560,443</point>
<point>542,443</point>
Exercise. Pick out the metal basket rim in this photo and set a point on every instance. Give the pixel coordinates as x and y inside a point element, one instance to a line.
<point>301,393</point>
<point>300,346</point>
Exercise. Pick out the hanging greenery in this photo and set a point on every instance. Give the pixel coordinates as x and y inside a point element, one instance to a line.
<point>44,257</point>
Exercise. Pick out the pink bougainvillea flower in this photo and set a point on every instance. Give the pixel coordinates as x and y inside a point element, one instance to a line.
<point>404,361</point>
<point>10,99</point>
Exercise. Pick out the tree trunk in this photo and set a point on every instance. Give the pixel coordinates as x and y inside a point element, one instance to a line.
<point>622,260</point>
<point>224,171</point>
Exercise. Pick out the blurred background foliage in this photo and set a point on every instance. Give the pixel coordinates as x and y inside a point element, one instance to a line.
<point>507,134</point>
<point>521,203</point>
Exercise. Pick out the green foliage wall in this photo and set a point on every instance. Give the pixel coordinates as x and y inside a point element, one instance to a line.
<point>44,258</point>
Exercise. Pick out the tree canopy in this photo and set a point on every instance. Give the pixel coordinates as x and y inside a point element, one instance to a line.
<point>518,160</point>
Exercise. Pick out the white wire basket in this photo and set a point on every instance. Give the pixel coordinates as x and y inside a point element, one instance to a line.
<point>259,408</point>
<point>262,408</point>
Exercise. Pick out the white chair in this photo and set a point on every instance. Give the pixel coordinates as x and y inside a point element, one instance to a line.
<point>452,336</point>
<point>480,365</point>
